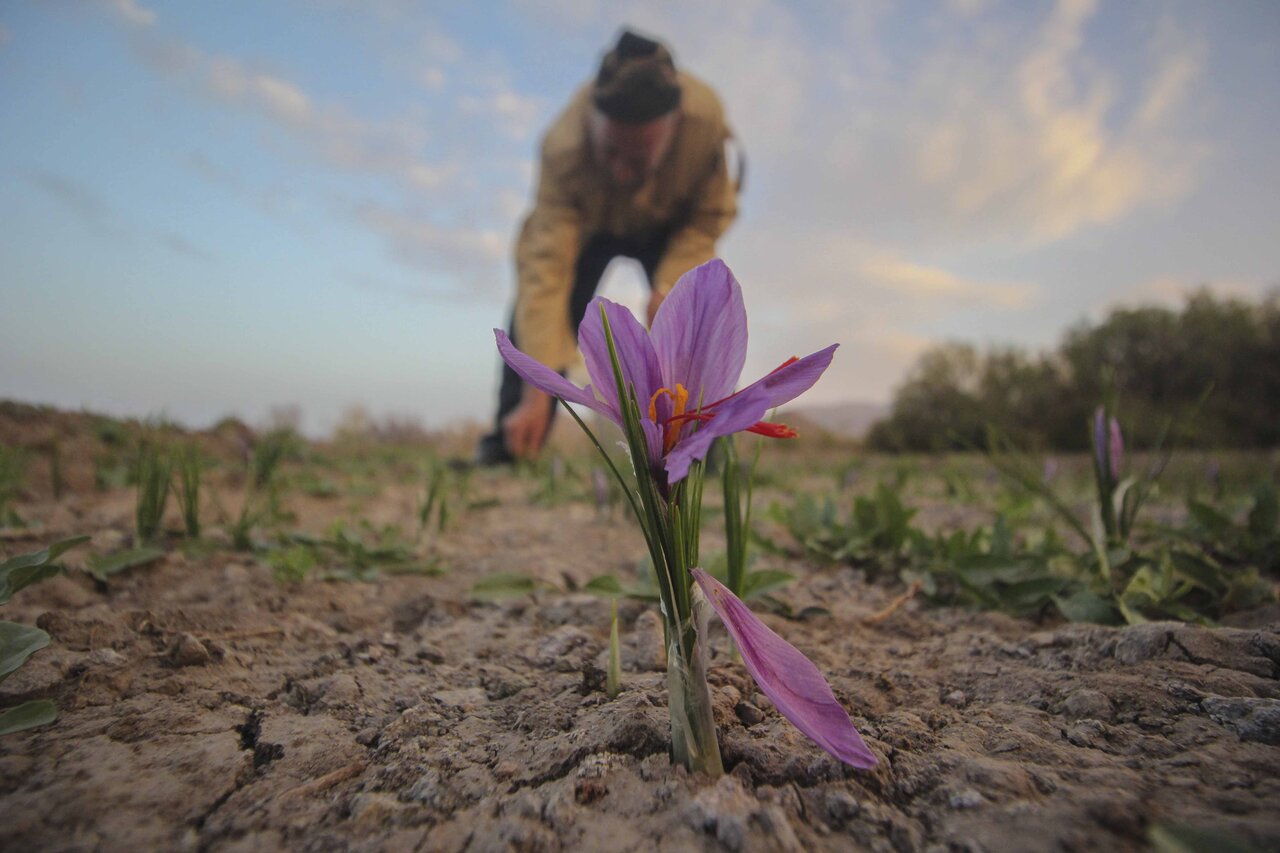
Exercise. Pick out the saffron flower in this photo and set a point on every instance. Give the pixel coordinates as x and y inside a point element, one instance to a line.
<point>787,677</point>
<point>671,390</point>
<point>682,372</point>
<point>1108,443</point>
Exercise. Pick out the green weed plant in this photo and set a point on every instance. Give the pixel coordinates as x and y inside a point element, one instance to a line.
<point>19,642</point>
<point>13,464</point>
<point>153,472</point>
<point>189,463</point>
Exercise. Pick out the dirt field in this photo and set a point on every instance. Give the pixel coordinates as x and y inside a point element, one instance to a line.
<point>206,705</point>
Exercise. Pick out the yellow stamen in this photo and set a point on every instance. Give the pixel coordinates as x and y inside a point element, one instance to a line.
<point>679,402</point>
<point>682,399</point>
<point>653,402</point>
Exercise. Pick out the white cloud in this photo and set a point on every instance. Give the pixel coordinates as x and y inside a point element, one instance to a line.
<point>918,280</point>
<point>877,175</point>
<point>514,114</point>
<point>439,47</point>
<point>277,98</point>
<point>180,244</point>
<point>432,78</point>
<point>75,196</point>
<point>968,8</point>
<point>512,205</point>
<point>473,257</point>
<point>390,147</point>
<point>991,132</point>
<point>882,305</point>
<point>1172,292</point>
<point>133,13</point>
<point>345,140</point>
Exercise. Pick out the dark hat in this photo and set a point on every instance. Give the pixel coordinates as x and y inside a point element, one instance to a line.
<point>637,81</point>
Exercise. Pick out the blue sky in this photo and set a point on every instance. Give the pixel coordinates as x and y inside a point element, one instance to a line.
<point>222,208</point>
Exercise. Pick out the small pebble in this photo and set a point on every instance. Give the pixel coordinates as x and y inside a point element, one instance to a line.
<point>1088,704</point>
<point>188,651</point>
<point>842,806</point>
<point>430,653</point>
<point>749,714</point>
<point>107,657</point>
<point>967,799</point>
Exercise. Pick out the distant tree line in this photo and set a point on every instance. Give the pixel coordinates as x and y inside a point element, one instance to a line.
<point>1158,362</point>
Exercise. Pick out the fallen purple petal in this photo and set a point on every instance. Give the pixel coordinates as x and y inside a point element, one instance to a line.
<point>787,677</point>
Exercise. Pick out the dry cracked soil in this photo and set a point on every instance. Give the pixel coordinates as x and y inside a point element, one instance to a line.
<point>206,706</point>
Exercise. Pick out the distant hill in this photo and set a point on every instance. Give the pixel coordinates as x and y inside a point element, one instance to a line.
<point>847,420</point>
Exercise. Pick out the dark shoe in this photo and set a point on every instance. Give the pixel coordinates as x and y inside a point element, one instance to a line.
<point>492,452</point>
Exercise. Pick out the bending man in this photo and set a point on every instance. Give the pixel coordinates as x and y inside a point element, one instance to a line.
<point>635,167</point>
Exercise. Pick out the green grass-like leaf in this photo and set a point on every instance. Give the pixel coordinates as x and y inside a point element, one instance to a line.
<point>28,715</point>
<point>503,585</point>
<point>762,582</point>
<point>113,564</point>
<point>17,643</point>
<point>153,475</point>
<point>25,569</point>
<point>190,465</point>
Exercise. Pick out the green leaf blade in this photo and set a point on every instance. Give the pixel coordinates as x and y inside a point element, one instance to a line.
<point>17,643</point>
<point>28,715</point>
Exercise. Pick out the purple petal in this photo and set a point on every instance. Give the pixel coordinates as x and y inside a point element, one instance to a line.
<point>1100,437</point>
<point>653,440</point>
<point>1115,449</point>
<point>787,383</point>
<point>544,378</point>
<point>734,415</point>
<point>789,678</point>
<point>635,355</point>
<point>700,333</point>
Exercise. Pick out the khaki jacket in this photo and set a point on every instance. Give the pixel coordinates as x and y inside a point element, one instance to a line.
<point>690,194</point>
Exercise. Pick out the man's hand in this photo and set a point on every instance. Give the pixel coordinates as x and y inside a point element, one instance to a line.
<point>655,299</point>
<point>526,427</point>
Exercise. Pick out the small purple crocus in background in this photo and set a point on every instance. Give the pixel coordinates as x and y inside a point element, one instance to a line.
<point>671,390</point>
<point>600,487</point>
<point>1213,473</point>
<point>1051,469</point>
<point>1115,449</point>
<point>1108,443</point>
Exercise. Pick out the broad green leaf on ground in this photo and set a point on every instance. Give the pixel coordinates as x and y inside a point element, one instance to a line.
<point>1085,606</point>
<point>503,584</point>
<point>113,564</point>
<point>786,611</point>
<point>26,569</point>
<point>1198,570</point>
<point>1030,595</point>
<point>606,585</point>
<point>1265,515</point>
<point>756,584</point>
<point>1215,523</point>
<point>28,715</point>
<point>987,569</point>
<point>1179,838</point>
<point>426,568</point>
<point>17,643</point>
